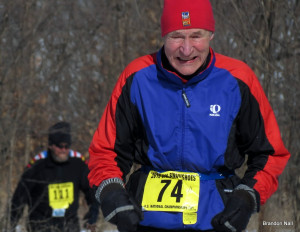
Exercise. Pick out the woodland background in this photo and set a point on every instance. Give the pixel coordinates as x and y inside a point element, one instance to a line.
<point>60,59</point>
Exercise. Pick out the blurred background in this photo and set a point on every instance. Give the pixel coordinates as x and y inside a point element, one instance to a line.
<point>60,59</point>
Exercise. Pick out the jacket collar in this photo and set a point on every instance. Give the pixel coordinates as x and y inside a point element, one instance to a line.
<point>174,77</point>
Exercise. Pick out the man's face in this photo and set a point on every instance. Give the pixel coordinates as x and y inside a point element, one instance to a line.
<point>60,152</point>
<point>187,49</point>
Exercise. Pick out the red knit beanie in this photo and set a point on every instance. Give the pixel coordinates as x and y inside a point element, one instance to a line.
<point>186,14</point>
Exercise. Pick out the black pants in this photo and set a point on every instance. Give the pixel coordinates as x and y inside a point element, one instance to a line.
<point>150,229</point>
<point>54,225</point>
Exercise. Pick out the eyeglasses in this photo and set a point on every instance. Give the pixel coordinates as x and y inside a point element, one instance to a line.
<point>61,146</point>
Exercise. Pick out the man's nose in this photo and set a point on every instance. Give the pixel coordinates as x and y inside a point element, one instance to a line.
<point>186,47</point>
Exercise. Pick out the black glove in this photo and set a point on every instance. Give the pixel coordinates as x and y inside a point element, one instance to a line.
<point>238,210</point>
<point>120,209</point>
<point>92,215</point>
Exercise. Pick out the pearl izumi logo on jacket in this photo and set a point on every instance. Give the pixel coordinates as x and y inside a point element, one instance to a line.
<point>215,110</point>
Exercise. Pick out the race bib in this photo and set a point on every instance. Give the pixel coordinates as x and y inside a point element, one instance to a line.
<point>171,191</point>
<point>60,197</point>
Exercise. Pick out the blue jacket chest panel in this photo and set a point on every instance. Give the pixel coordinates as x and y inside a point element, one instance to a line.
<point>190,138</point>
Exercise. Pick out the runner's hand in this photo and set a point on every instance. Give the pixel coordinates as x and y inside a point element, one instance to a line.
<point>120,209</point>
<point>237,212</point>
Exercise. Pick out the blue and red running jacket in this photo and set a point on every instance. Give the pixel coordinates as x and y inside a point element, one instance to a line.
<point>203,125</point>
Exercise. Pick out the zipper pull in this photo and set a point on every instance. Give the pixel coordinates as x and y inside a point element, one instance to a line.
<point>186,100</point>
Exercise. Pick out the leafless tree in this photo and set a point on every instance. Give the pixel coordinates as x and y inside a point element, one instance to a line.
<point>265,34</point>
<point>60,60</point>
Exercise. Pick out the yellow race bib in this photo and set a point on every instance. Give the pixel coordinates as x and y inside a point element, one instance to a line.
<point>61,195</point>
<point>171,191</point>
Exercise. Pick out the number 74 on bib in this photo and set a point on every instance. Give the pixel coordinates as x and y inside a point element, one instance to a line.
<point>171,192</point>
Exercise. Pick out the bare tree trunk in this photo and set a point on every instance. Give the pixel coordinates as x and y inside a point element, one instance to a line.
<point>60,60</point>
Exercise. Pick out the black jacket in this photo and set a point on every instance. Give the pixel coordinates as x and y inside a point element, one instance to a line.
<point>44,176</point>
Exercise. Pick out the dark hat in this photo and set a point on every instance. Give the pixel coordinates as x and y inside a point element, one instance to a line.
<point>59,133</point>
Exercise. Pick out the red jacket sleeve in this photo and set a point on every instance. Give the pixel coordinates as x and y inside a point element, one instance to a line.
<point>266,179</point>
<point>102,163</point>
